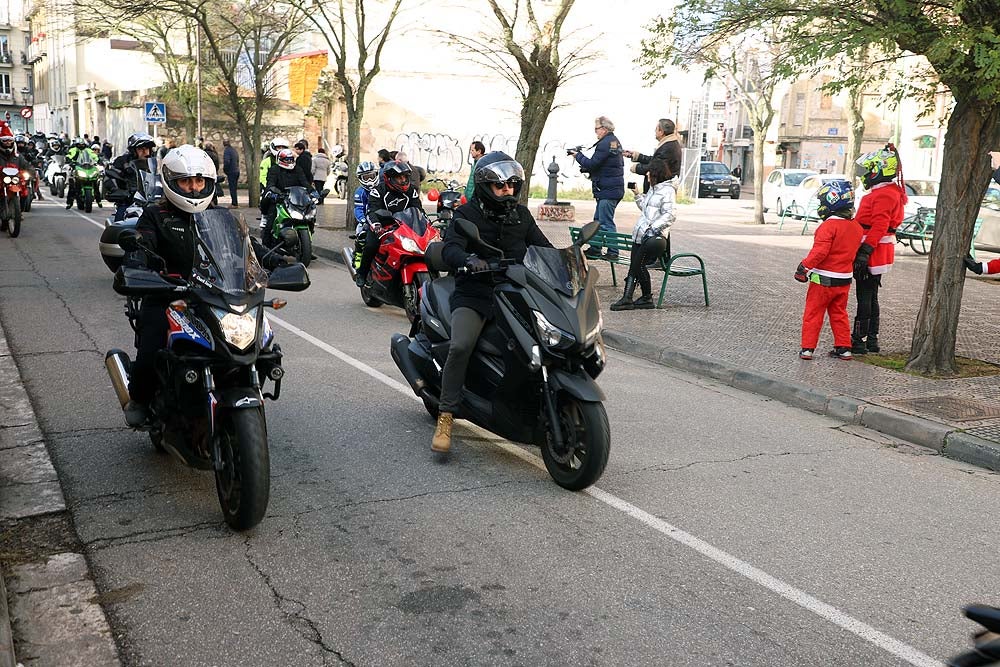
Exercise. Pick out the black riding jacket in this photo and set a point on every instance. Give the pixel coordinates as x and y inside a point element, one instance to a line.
<point>513,236</point>
<point>286,178</point>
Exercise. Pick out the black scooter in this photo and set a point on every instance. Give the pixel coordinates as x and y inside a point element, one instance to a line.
<point>531,376</point>
<point>987,642</point>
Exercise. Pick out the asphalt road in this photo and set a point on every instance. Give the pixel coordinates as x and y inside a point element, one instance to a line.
<point>727,530</point>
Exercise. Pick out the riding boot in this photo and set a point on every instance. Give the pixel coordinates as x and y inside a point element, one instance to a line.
<point>442,434</point>
<point>858,337</point>
<point>625,303</point>
<point>644,302</point>
<point>872,341</point>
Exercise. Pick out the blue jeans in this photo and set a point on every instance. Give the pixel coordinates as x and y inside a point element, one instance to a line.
<point>605,215</point>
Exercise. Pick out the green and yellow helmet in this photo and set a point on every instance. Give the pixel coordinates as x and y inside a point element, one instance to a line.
<point>878,166</point>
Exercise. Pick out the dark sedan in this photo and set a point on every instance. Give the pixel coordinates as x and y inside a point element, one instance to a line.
<point>716,181</point>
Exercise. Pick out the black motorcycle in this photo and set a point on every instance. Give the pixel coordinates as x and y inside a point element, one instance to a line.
<point>208,409</point>
<point>531,376</point>
<point>987,642</point>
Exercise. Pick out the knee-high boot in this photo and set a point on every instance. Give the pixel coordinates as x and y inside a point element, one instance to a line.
<point>625,303</point>
<point>858,335</point>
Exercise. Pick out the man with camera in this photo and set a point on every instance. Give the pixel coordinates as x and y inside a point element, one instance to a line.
<point>606,169</point>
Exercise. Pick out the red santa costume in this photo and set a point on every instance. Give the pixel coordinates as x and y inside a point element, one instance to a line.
<point>829,267</point>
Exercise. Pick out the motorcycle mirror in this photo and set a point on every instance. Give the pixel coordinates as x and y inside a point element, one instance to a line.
<point>467,228</point>
<point>433,194</point>
<point>128,239</point>
<point>289,278</point>
<point>587,232</point>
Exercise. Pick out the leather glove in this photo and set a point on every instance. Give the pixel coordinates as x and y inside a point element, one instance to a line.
<point>800,274</point>
<point>973,265</point>
<point>376,227</point>
<point>861,260</point>
<point>474,264</point>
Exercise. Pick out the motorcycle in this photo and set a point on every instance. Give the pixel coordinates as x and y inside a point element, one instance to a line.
<point>82,181</point>
<point>340,177</point>
<point>987,642</point>
<point>531,378</point>
<point>208,410</point>
<point>447,201</point>
<point>294,222</point>
<point>55,175</point>
<point>148,188</point>
<point>15,189</point>
<point>399,269</point>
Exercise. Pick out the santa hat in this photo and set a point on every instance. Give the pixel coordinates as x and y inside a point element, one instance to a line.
<point>5,130</point>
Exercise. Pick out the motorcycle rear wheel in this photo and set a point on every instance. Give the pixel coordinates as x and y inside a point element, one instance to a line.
<point>15,225</point>
<point>369,300</point>
<point>585,428</point>
<point>305,247</point>
<point>244,482</point>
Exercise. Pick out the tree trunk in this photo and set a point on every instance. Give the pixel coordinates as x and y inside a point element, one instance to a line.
<point>535,110</point>
<point>759,137</point>
<point>353,155</point>
<point>965,172</point>
<point>855,128</point>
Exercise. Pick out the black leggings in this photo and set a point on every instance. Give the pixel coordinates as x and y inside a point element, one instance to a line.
<point>867,321</point>
<point>466,325</point>
<point>648,251</point>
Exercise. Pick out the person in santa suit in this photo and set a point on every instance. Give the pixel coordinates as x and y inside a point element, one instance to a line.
<point>979,268</point>
<point>828,269</point>
<point>879,214</point>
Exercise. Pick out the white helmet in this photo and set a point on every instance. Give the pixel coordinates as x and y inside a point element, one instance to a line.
<point>277,144</point>
<point>188,161</point>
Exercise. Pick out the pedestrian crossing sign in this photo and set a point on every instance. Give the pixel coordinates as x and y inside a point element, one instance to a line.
<point>156,112</point>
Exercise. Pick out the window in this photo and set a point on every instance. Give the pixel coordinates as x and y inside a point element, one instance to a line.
<point>799,112</point>
<point>774,177</point>
<point>5,49</point>
<point>4,84</point>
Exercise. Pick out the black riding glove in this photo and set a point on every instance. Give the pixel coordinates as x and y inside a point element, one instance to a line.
<point>973,265</point>
<point>800,274</point>
<point>861,261</point>
<point>476,264</point>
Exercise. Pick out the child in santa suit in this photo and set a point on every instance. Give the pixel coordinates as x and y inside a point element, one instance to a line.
<point>828,269</point>
<point>879,214</point>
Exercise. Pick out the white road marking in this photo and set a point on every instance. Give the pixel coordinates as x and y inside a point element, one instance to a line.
<point>842,620</point>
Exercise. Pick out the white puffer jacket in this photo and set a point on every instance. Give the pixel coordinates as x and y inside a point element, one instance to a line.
<point>657,208</point>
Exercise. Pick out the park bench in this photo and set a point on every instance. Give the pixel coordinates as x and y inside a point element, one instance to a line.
<point>799,213</point>
<point>622,243</point>
<point>917,231</point>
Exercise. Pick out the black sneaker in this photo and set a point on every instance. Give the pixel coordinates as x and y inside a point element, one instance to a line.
<point>593,254</point>
<point>806,353</point>
<point>359,280</point>
<point>842,353</point>
<point>136,414</point>
<point>859,348</point>
<point>872,345</point>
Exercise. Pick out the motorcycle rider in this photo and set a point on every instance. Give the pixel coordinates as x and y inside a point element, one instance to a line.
<point>394,193</point>
<point>367,177</point>
<point>167,228</point>
<point>9,154</point>
<point>269,160</point>
<point>121,188</point>
<point>76,151</point>
<point>26,149</point>
<point>282,175</point>
<point>503,224</point>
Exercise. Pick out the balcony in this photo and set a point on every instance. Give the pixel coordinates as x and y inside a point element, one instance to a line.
<point>6,98</point>
<point>6,59</point>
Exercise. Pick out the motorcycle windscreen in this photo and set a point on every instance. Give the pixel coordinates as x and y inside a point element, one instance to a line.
<point>149,178</point>
<point>298,197</point>
<point>413,218</point>
<point>85,159</point>
<point>224,255</point>
<point>561,268</point>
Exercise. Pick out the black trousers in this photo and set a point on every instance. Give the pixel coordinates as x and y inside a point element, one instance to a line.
<point>318,187</point>
<point>644,253</point>
<point>866,323</point>
<point>466,325</point>
<point>152,333</point>
<point>231,179</point>
<point>371,249</point>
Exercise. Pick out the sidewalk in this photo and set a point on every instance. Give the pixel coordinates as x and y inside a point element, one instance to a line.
<point>749,336</point>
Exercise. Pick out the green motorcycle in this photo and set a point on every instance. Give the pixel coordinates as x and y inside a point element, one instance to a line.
<point>294,220</point>
<point>84,175</point>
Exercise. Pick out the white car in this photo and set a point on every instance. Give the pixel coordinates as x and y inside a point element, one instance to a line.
<point>802,200</point>
<point>920,193</point>
<point>779,184</point>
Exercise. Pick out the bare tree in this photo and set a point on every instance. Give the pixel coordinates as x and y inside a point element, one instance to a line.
<point>527,54</point>
<point>356,42</point>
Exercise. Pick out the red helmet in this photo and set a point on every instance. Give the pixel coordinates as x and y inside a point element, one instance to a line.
<point>397,175</point>
<point>286,158</point>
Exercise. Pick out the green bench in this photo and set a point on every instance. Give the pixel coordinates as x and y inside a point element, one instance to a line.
<point>917,231</point>
<point>617,241</point>
<point>799,213</point>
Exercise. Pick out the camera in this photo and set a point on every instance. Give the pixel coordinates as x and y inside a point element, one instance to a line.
<point>631,185</point>
<point>574,149</point>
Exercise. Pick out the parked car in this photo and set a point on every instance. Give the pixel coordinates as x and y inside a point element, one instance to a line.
<point>717,181</point>
<point>802,200</point>
<point>920,193</point>
<point>779,185</point>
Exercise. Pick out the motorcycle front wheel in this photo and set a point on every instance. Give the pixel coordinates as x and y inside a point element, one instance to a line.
<point>244,483</point>
<point>87,205</point>
<point>586,437</point>
<point>15,226</point>
<point>305,247</point>
<point>412,295</point>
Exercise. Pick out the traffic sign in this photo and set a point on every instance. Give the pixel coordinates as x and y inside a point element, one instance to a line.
<point>156,112</point>
<point>25,112</point>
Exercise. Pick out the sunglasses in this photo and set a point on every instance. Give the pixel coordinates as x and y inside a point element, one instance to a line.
<point>511,183</point>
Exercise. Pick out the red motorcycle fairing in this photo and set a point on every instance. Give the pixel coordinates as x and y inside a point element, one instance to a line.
<point>396,262</point>
<point>411,268</point>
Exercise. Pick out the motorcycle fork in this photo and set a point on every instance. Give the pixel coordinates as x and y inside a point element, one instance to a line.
<point>213,404</point>
<point>555,427</point>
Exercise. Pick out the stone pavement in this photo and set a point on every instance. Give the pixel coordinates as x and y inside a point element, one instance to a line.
<point>749,335</point>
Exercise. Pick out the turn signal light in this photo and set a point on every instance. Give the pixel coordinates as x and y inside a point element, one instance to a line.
<point>179,306</point>
<point>278,304</point>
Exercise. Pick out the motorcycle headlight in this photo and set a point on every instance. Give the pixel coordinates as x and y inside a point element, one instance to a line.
<point>409,245</point>
<point>6,179</point>
<point>26,175</point>
<point>295,215</point>
<point>240,331</point>
<point>551,335</point>
<point>80,173</point>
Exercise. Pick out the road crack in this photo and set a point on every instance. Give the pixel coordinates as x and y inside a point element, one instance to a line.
<point>155,535</point>
<point>660,467</point>
<point>294,611</point>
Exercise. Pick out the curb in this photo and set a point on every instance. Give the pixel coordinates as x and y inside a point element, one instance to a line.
<point>946,440</point>
<point>6,639</point>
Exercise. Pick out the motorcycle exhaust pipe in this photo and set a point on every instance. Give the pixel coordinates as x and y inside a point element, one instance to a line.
<point>115,362</point>
<point>349,261</point>
<point>401,355</point>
